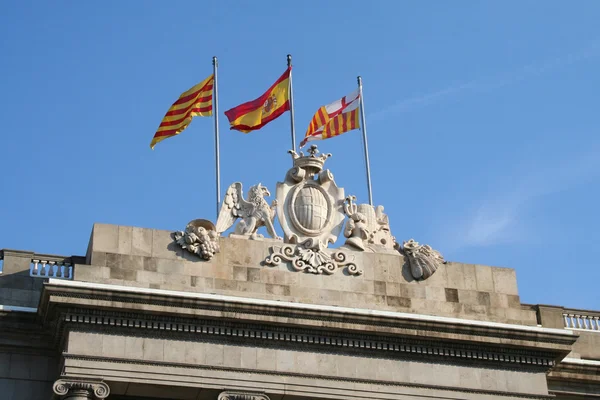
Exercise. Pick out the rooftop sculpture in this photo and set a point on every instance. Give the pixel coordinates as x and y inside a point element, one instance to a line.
<point>311,209</point>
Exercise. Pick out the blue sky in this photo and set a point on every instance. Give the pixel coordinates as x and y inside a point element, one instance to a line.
<point>482,121</point>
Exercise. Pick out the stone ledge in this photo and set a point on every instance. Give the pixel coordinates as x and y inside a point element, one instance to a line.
<point>325,317</point>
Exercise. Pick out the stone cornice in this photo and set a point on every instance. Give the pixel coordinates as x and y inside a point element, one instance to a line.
<point>16,253</point>
<point>576,370</point>
<point>310,339</point>
<point>552,343</point>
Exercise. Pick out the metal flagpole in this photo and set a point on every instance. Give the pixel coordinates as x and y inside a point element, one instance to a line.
<point>216,118</point>
<point>364,131</point>
<point>289,62</point>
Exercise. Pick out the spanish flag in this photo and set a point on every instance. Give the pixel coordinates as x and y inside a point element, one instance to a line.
<point>257,113</point>
<point>196,102</point>
<point>334,119</point>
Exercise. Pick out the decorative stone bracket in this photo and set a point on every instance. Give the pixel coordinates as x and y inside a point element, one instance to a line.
<point>227,395</point>
<point>80,389</point>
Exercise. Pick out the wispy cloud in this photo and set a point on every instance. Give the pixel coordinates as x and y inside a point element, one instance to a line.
<point>490,83</point>
<point>500,217</point>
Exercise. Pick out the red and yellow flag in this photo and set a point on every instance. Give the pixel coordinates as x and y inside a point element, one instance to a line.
<point>334,119</point>
<point>257,113</point>
<point>196,102</point>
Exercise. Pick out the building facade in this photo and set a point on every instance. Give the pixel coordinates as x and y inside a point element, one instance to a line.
<point>151,314</point>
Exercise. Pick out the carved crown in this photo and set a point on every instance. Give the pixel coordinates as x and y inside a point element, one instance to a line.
<point>313,162</point>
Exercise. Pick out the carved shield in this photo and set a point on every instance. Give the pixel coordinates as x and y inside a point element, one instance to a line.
<point>310,208</point>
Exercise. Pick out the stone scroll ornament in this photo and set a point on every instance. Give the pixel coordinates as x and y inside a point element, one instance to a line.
<point>422,259</point>
<point>200,237</point>
<point>313,257</point>
<point>87,389</point>
<point>250,214</point>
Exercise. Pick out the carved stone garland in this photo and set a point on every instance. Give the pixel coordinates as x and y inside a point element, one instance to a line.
<point>63,387</point>
<point>310,256</point>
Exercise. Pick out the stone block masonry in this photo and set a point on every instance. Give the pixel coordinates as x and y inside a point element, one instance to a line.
<point>150,258</point>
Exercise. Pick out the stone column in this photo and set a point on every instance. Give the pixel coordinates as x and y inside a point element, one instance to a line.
<point>80,389</point>
<point>231,395</point>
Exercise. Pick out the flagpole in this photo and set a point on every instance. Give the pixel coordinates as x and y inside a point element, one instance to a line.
<point>364,132</point>
<point>289,63</point>
<point>216,118</point>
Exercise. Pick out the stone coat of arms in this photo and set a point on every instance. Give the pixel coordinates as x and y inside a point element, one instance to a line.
<point>311,209</point>
<point>309,203</point>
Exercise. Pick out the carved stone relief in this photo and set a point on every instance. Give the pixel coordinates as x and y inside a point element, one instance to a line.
<point>252,213</point>
<point>422,259</point>
<point>309,203</point>
<point>313,257</point>
<point>200,237</point>
<point>368,228</point>
<point>311,210</point>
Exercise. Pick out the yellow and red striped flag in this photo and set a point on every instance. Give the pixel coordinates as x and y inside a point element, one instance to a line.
<point>255,114</point>
<point>196,102</point>
<point>334,119</point>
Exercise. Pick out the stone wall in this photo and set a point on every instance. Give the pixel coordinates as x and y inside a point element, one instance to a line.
<point>28,364</point>
<point>588,344</point>
<point>26,376</point>
<point>149,258</point>
<point>17,288</point>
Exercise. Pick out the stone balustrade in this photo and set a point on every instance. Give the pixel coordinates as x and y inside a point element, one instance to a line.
<point>39,265</point>
<point>23,275</point>
<point>51,267</point>
<point>587,320</point>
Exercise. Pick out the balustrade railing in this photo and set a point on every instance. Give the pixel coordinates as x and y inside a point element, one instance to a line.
<point>51,267</point>
<point>40,265</point>
<point>582,321</point>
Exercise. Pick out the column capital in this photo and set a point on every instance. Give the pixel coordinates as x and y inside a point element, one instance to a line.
<point>231,395</point>
<point>97,389</point>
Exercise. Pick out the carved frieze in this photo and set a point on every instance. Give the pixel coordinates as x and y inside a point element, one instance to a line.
<point>364,343</point>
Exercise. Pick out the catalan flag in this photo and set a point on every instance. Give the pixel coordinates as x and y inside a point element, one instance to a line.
<point>196,102</point>
<point>255,114</point>
<point>334,119</point>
